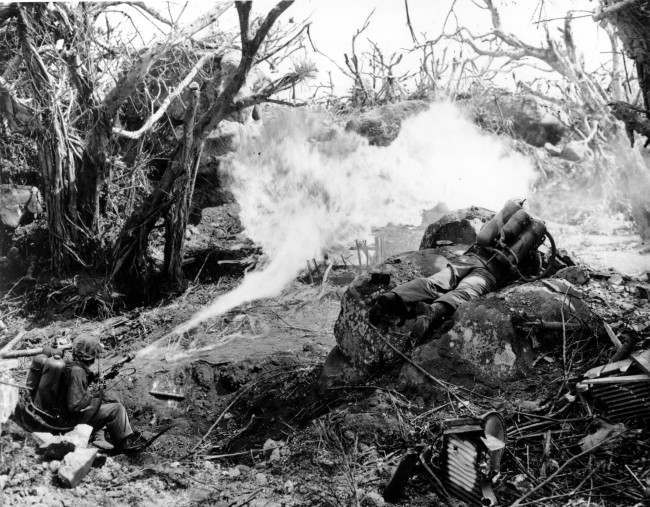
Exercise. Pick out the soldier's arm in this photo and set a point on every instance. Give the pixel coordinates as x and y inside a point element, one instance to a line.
<point>79,398</point>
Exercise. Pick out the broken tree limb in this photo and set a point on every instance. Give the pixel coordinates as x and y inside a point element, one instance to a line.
<point>14,354</point>
<point>11,343</point>
<point>136,134</point>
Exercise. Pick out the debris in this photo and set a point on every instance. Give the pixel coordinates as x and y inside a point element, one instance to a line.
<point>261,479</point>
<point>643,290</point>
<point>605,432</point>
<point>574,274</point>
<point>76,465</point>
<point>372,499</point>
<point>288,487</point>
<point>620,390</point>
<point>55,447</point>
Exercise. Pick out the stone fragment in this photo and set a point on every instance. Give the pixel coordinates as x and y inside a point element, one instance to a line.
<point>288,487</point>
<point>76,465</point>
<point>52,447</point>
<point>372,499</point>
<point>55,447</point>
<point>616,279</point>
<point>79,436</point>
<point>261,479</point>
<point>574,274</point>
<point>643,290</point>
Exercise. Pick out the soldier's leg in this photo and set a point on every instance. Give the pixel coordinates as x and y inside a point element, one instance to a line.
<point>402,300</point>
<point>476,283</point>
<point>116,420</point>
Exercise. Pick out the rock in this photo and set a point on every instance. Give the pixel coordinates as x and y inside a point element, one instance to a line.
<point>382,125</point>
<point>363,345</point>
<point>76,465</point>
<point>275,455</point>
<point>575,151</point>
<point>288,487</point>
<point>616,279</point>
<point>338,371</point>
<point>57,446</point>
<point>52,447</point>
<point>459,227</point>
<point>489,343</point>
<point>261,479</point>
<point>372,499</point>
<point>520,115</point>
<point>643,290</point>
<point>54,465</point>
<point>79,436</point>
<point>573,274</point>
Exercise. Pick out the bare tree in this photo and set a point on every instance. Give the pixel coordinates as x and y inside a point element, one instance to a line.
<point>130,259</point>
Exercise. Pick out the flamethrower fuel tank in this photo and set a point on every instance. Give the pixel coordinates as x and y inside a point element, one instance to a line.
<point>491,231</point>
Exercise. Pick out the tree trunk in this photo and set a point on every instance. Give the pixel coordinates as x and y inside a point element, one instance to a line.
<point>176,221</point>
<point>633,25</point>
<point>58,166</point>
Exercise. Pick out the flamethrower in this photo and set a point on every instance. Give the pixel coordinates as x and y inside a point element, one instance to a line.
<point>512,234</point>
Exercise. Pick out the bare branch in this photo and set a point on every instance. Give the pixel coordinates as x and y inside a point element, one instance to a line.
<point>607,11</point>
<point>219,109</point>
<point>136,134</point>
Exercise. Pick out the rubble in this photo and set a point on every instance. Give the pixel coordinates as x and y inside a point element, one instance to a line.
<point>55,447</point>
<point>76,465</point>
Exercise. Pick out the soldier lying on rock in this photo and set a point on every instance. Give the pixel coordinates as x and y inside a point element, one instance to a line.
<point>67,392</point>
<point>506,249</point>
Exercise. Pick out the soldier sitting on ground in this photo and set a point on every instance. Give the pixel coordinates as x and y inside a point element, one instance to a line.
<point>505,250</point>
<point>69,391</point>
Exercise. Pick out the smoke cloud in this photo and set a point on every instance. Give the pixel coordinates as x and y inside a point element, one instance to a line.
<point>305,186</point>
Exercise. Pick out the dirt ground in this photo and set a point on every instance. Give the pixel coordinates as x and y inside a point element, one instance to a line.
<point>253,427</point>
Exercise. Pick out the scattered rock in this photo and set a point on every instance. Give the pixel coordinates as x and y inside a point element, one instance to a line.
<point>76,465</point>
<point>643,291</point>
<point>574,274</point>
<point>54,465</point>
<point>372,499</point>
<point>55,447</point>
<point>616,279</point>
<point>604,433</point>
<point>52,447</point>
<point>261,479</point>
<point>288,487</point>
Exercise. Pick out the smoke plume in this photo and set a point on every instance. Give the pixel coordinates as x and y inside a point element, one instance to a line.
<point>305,186</point>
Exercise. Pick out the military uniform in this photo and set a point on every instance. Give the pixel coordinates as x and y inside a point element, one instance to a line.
<point>97,411</point>
<point>479,271</point>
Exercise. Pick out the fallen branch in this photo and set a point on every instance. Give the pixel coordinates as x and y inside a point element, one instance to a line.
<point>566,463</point>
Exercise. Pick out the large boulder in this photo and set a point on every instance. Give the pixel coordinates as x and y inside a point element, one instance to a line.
<point>497,337</point>
<point>520,115</point>
<point>364,344</point>
<point>381,125</point>
<point>460,226</point>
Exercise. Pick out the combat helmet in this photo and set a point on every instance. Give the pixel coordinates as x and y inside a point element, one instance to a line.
<point>86,348</point>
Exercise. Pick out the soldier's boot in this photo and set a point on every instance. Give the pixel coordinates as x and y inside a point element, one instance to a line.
<point>387,306</point>
<point>429,318</point>
<point>133,443</point>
